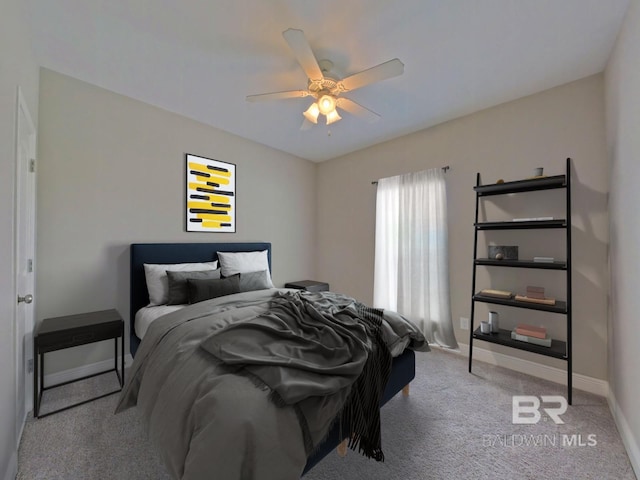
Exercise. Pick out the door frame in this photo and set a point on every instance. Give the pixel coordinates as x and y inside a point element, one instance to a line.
<point>25,129</point>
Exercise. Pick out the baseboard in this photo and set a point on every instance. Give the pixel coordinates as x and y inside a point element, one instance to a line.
<point>22,423</point>
<point>626,433</point>
<point>83,371</point>
<point>553,374</point>
<point>12,469</point>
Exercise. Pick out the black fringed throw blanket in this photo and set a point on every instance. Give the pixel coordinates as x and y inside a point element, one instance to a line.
<point>310,348</point>
<point>361,413</point>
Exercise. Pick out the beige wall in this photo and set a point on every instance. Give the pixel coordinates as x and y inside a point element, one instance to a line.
<point>507,142</point>
<point>17,68</point>
<point>112,173</point>
<point>622,87</point>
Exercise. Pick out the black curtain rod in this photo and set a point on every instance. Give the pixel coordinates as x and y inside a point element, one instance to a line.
<point>445,169</point>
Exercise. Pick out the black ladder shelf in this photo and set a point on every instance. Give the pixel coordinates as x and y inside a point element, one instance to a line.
<point>559,349</point>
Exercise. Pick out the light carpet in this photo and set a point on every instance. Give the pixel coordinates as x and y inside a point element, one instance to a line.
<point>453,425</point>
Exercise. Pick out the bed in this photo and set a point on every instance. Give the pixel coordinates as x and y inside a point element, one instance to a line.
<point>402,366</point>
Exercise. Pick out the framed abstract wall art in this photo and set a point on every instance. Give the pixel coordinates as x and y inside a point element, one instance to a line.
<point>211,195</point>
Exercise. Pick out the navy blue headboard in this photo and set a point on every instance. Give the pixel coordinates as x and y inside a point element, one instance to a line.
<point>142,253</point>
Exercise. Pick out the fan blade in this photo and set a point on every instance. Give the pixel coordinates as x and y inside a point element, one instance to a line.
<point>356,109</point>
<point>303,53</point>
<point>277,95</point>
<point>385,70</point>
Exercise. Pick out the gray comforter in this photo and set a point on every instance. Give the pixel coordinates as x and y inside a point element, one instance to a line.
<point>211,423</point>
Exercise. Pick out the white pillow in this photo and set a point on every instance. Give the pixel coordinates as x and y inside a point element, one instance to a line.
<point>244,262</point>
<point>158,283</point>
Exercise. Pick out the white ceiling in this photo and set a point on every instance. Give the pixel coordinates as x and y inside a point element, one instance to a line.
<point>200,58</point>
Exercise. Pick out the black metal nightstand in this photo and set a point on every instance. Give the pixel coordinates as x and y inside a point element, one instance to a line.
<point>309,285</point>
<point>72,331</point>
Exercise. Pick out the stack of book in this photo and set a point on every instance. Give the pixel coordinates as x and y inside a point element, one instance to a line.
<point>543,301</point>
<point>532,219</point>
<point>535,295</point>
<point>531,334</point>
<point>535,292</point>
<point>496,293</point>
<point>544,259</point>
<point>531,330</point>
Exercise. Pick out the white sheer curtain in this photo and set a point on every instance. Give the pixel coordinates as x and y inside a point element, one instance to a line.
<point>411,259</point>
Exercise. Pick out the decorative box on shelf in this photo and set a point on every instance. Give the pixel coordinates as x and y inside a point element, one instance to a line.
<point>503,252</point>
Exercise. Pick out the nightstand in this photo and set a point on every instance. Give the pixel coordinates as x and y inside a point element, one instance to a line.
<point>71,331</point>
<point>308,285</point>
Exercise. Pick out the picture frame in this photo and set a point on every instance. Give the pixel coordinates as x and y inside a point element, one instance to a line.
<point>210,195</point>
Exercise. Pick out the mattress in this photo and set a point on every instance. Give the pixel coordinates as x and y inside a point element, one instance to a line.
<point>148,314</point>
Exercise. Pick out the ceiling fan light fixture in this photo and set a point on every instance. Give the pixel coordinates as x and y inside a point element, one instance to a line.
<point>326,86</point>
<point>312,113</point>
<point>327,104</point>
<point>333,116</point>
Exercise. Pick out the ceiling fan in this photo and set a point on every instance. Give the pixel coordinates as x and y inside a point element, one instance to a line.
<point>326,87</point>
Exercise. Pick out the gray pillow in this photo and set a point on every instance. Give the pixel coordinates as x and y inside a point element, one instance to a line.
<point>178,293</point>
<point>200,290</point>
<point>255,281</point>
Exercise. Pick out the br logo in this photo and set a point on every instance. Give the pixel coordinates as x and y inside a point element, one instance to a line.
<point>526,408</point>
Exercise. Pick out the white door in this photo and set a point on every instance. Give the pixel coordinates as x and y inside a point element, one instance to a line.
<point>24,258</point>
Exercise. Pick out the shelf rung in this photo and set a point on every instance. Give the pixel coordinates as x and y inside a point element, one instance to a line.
<point>558,348</point>
<point>559,307</point>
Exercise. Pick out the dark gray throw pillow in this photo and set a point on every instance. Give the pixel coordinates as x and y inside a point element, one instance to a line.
<point>178,293</point>
<point>255,281</point>
<point>201,290</point>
